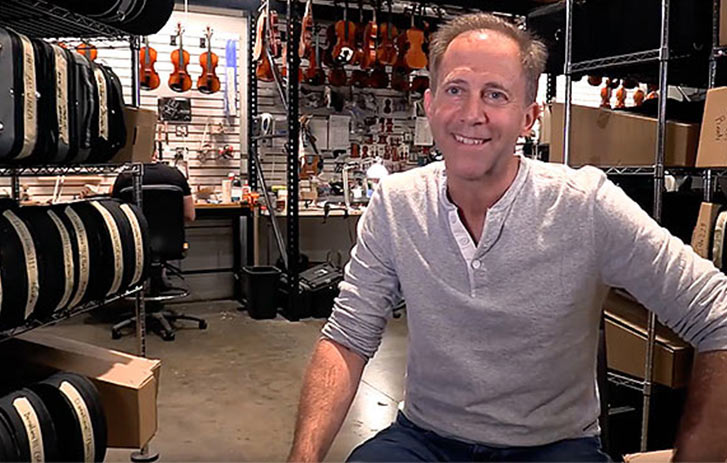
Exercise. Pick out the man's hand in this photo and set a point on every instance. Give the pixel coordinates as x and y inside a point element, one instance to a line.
<point>703,432</point>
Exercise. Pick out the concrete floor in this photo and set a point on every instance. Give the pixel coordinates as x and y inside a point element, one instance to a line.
<point>230,393</point>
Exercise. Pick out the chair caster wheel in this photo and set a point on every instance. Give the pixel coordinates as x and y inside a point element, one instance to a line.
<point>115,335</point>
<point>168,337</point>
<point>203,325</point>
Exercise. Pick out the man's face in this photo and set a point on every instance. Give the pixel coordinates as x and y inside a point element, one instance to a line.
<point>479,107</point>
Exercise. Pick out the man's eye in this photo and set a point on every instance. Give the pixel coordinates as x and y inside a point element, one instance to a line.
<point>497,95</point>
<point>454,91</point>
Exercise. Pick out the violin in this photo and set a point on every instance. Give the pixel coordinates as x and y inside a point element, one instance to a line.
<point>400,70</point>
<point>345,46</point>
<point>88,50</point>
<point>358,39</point>
<point>208,81</point>
<point>310,164</point>
<point>606,95</point>
<point>370,38</point>
<point>148,75</point>
<point>314,75</point>
<point>263,68</point>
<point>386,53</point>
<point>306,32</point>
<point>273,32</point>
<point>414,55</point>
<point>179,80</point>
<point>621,97</point>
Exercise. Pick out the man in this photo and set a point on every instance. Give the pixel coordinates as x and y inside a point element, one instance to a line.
<point>504,263</point>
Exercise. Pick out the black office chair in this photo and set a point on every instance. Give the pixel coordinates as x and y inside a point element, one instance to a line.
<point>163,207</point>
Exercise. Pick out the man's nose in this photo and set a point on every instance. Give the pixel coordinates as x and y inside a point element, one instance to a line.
<point>474,110</point>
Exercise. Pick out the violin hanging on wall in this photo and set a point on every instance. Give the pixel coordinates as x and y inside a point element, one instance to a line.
<point>414,55</point>
<point>314,75</point>
<point>345,46</point>
<point>208,81</point>
<point>263,67</point>
<point>179,80</point>
<point>386,52</point>
<point>149,77</point>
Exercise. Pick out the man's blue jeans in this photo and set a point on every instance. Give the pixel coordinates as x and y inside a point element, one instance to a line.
<point>405,441</point>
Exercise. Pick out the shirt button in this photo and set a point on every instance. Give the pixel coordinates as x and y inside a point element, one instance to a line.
<point>476,264</point>
<point>463,241</point>
<point>453,217</point>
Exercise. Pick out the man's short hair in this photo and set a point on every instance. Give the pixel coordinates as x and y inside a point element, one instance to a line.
<point>533,53</point>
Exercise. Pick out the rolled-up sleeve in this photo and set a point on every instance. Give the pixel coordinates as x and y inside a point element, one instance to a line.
<point>687,292</point>
<point>370,287</point>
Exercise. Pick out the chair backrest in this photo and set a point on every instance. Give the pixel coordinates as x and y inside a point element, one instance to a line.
<point>163,206</point>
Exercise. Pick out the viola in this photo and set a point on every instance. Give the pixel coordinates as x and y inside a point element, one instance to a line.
<point>179,80</point>
<point>149,77</point>
<point>208,81</point>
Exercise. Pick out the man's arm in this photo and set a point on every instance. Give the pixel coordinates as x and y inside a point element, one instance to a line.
<point>330,384</point>
<point>688,294</point>
<point>702,434</point>
<point>351,336</point>
<point>189,212</point>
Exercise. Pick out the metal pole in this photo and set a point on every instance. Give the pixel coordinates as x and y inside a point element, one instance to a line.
<point>708,185</point>
<point>137,180</point>
<point>715,44</point>
<point>658,192</point>
<point>15,187</point>
<point>252,144</point>
<point>293,25</point>
<point>134,44</point>
<point>568,80</point>
<point>143,455</point>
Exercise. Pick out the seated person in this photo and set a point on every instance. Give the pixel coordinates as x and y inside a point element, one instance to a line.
<point>158,173</point>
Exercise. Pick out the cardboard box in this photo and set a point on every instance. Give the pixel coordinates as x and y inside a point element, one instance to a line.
<point>658,456</point>
<point>128,384</point>
<point>713,135</point>
<point>626,333</point>
<point>703,231</point>
<point>141,126</point>
<point>602,137</point>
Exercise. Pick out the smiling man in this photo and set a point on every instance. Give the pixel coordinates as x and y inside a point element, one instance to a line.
<point>504,263</point>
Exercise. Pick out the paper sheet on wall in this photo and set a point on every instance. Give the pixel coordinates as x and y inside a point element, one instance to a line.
<point>422,132</point>
<point>338,132</point>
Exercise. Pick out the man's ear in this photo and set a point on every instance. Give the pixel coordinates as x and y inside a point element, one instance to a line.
<point>427,100</point>
<point>531,115</point>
